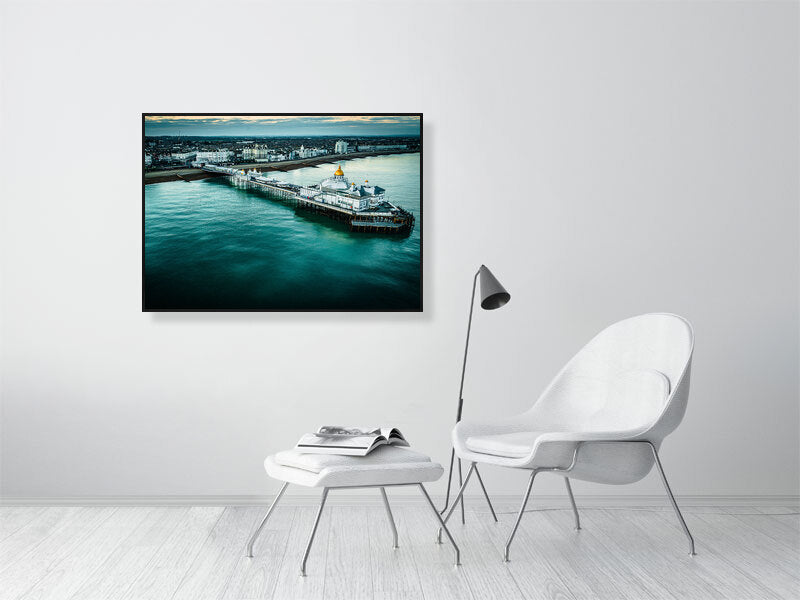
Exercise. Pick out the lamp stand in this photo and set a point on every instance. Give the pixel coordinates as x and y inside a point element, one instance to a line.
<point>458,418</point>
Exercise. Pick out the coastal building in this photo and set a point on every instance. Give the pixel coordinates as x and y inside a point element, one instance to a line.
<point>378,147</point>
<point>310,152</point>
<point>340,147</point>
<point>214,156</point>
<point>256,151</point>
<point>182,157</point>
<point>148,160</point>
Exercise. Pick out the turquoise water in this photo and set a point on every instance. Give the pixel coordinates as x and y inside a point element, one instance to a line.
<point>214,244</point>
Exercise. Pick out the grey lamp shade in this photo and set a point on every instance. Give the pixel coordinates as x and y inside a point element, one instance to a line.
<point>493,294</point>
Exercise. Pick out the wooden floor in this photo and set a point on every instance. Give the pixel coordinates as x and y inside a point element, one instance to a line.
<point>164,553</point>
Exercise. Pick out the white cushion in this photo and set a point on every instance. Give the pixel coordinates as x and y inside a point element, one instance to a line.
<point>633,399</point>
<point>387,465</point>
<point>380,456</point>
<point>511,445</point>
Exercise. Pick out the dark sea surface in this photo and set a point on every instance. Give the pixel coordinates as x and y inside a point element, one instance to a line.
<point>216,244</point>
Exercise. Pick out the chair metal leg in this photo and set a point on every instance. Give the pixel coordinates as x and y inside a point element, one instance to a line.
<point>519,516</point>
<point>461,482</point>
<point>455,502</point>
<point>442,523</point>
<point>574,507</point>
<point>313,531</point>
<point>257,532</point>
<point>449,481</point>
<point>485,495</point>
<point>391,518</point>
<point>672,500</point>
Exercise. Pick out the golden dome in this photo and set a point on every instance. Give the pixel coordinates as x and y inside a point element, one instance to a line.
<point>339,171</point>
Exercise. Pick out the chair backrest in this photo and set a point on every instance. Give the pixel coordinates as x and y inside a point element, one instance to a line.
<point>632,375</point>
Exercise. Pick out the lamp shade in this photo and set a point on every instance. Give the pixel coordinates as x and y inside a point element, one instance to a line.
<point>493,294</point>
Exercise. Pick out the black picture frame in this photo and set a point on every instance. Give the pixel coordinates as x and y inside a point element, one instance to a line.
<point>420,223</point>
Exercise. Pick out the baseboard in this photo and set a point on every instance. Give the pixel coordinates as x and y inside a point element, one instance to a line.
<point>364,499</point>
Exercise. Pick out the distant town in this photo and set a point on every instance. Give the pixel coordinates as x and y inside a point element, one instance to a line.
<point>176,152</point>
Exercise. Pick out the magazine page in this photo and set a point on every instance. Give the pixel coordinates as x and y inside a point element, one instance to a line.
<point>348,445</point>
<point>356,442</point>
<point>341,430</point>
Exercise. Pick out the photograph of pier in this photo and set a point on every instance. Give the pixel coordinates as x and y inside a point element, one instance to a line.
<point>282,212</point>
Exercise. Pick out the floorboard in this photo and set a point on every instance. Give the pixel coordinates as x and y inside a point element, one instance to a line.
<point>40,560</point>
<point>255,578</point>
<point>290,585</point>
<point>438,576</point>
<point>33,533</point>
<point>165,571</point>
<point>12,519</point>
<point>114,576</point>
<point>393,570</point>
<point>197,553</point>
<point>214,565</point>
<point>349,565</point>
<point>77,565</point>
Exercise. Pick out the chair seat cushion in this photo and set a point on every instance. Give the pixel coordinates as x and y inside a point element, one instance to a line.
<point>387,465</point>
<point>509,445</point>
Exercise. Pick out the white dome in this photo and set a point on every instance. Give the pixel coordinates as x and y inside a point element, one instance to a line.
<point>335,183</point>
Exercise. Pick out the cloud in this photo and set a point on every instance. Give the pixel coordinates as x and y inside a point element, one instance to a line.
<point>270,119</point>
<point>270,124</point>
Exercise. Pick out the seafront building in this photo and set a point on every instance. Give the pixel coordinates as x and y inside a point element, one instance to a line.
<point>214,156</point>
<point>182,157</point>
<point>340,147</point>
<point>256,151</point>
<point>378,147</point>
<point>148,160</point>
<point>310,152</point>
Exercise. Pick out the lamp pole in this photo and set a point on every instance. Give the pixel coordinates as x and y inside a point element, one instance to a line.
<point>458,417</point>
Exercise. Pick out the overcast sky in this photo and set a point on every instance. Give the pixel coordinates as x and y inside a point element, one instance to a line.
<point>255,125</point>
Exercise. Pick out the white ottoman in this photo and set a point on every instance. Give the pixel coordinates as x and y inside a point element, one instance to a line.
<point>383,467</point>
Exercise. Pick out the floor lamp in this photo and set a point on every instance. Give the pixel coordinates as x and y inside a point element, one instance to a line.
<point>493,295</point>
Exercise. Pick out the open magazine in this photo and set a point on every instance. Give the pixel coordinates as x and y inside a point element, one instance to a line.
<point>349,441</point>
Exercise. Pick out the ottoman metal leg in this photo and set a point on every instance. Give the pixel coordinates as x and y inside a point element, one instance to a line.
<point>455,502</point>
<point>264,520</point>
<point>391,518</point>
<point>442,523</point>
<point>313,531</point>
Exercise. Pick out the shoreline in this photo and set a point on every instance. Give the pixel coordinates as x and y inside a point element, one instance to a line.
<point>193,174</point>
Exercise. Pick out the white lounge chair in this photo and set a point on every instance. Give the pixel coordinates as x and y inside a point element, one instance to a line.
<point>601,419</point>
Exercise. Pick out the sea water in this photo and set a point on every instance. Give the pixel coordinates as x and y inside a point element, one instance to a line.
<point>216,244</point>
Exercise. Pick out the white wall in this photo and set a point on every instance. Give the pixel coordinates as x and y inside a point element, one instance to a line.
<point>656,146</point>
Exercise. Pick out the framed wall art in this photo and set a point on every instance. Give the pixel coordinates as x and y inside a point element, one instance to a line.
<point>282,212</point>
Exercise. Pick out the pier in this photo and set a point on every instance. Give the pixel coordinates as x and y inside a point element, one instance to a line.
<point>384,217</point>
